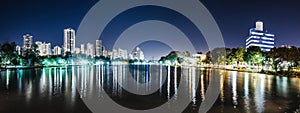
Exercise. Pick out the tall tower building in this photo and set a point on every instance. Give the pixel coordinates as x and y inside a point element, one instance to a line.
<point>27,42</point>
<point>260,37</point>
<point>98,48</point>
<point>69,40</point>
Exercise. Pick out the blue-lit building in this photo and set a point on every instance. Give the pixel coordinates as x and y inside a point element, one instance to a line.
<point>260,37</point>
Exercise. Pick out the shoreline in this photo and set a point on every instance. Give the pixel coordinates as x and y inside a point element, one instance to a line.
<point>281,73</point>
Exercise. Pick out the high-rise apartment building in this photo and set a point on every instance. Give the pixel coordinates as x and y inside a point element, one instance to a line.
<point>69,40</point>
<point>99,48</point>
<point>27,42</point>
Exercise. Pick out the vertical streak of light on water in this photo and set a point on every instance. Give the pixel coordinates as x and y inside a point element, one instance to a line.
<point>222,87</point>
<point>259,93</point>
<point>202,87</point>
<point>7,79</point>
<point>246,92</point>
<point>169,81</point>
<point>234,88</point>
<point>193,85</point>
<point>73,93</point>
<point>175,83</point>
<point>160,79</point>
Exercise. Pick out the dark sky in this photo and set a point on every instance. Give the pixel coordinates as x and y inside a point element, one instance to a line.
<point>46,19</point>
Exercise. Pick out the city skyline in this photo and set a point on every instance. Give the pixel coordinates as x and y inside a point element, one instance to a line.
<point>46,23</point>
<point>160,56</point>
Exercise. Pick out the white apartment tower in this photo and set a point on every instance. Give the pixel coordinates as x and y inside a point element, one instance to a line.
<point>27,42</point>
<point>98,48</point>
<point>69,40</point>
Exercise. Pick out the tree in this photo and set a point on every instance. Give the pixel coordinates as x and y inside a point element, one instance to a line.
<point>231,58</point>
<point>7,53</point>
<point>278,55</point>
<point>186,54</point>
<point>239,54</point>
<point>254,55</point>
<point>217,55</point>
<point>199,52</point>
<point>31,54</point>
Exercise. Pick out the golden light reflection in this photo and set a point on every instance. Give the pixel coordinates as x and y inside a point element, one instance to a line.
<point>246,92</point>
<point>234,88</point>
<point>221,86</point>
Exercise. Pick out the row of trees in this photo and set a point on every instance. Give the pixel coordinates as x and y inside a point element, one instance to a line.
<point>254,56</point>
<point>9,56</point>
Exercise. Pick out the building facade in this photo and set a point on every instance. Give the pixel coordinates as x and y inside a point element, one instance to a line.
<point>69,40</point>
<point>27,42</point>
<point>98,48</point>
<point>120,54</point>
<point>57,50</point>
<point>82,51</point>
<point>90,50</point>
<point>44,48</point>
<point>260,37</point>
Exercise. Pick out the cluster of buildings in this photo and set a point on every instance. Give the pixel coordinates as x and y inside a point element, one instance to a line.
<point>258,36</point>
<point>69,47</point>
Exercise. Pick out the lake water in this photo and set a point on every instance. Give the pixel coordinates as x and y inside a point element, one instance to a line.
<point>63,89</point>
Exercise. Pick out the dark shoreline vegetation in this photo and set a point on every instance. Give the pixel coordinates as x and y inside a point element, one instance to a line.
<point>282,61</point>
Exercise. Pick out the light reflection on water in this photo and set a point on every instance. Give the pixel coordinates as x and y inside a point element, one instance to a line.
<point>239,91</point>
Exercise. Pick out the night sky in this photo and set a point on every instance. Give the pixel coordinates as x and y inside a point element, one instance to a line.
<point>46,19</point>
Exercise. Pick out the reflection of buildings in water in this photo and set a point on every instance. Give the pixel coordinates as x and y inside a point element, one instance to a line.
<point>43,83</point>
<point>259,92</point>
<point>246,92</point>
<point>296,84</point>
<point>202,87</point>
<point>114,81</point>
<point>39,84</point>
<point>175,83</point>
<point>7,78</point>
<point>90,79</point>
<point>234,88</point>
<point>118,74</point>
<point>20,79</point>
<point>268,83</point>
<point>73,86</point>
<point>193,76</point>
<point>169,82</point>
<point>189,81</point>
<point>221,87</point>
<point>160,79</point>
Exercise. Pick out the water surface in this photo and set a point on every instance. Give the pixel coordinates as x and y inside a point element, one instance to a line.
<point>55,89</point>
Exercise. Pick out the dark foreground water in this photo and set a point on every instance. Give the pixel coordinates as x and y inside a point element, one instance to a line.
<point>59,90</point>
